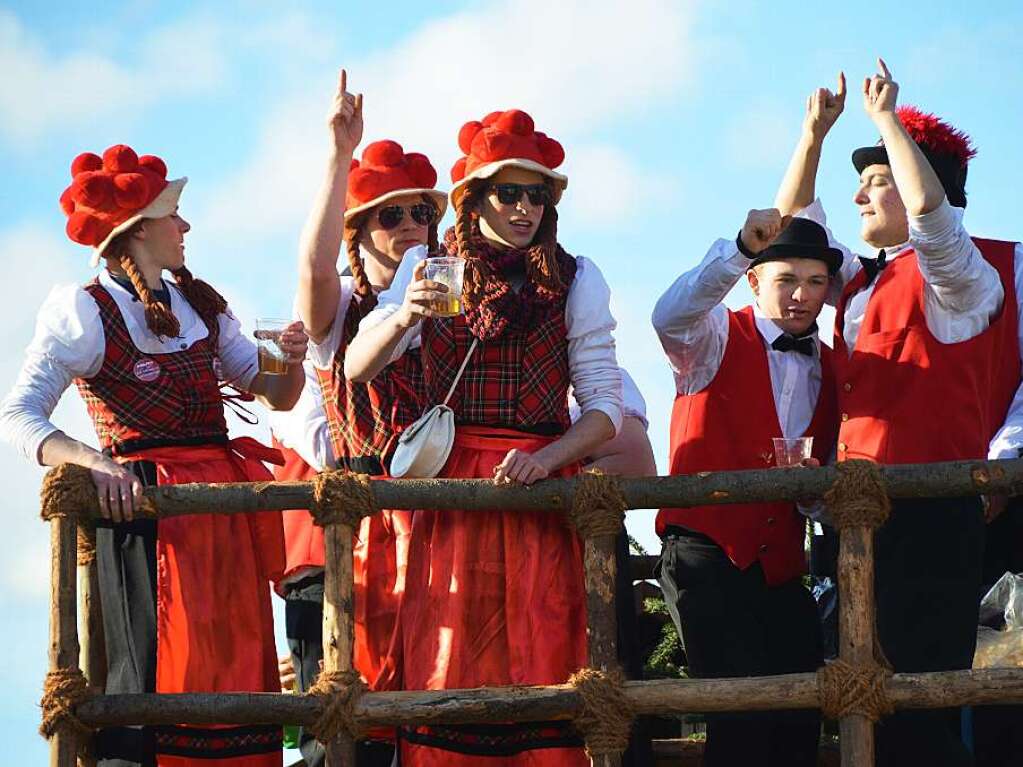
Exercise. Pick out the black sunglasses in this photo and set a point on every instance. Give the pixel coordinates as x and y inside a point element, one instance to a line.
<point>509,194</point>
<point>392,215</point>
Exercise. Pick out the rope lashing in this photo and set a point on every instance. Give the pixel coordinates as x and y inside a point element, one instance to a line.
<point>343,497</point>
<point>598,506</point>
<point>605,716</point>
<point>86,542</point>
<point>340,691</point>
<point>858,497</point>
<point>63,690</point>
<point>846,689</point>
<point>68,489</point>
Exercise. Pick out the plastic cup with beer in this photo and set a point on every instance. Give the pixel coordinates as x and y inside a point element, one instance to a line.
<point>272,359</point>
<point>447,271</point>
<point>792,452</point>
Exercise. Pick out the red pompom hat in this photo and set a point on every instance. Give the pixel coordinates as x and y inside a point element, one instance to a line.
<point>948,150</point>
<point>507,139</point>
<point>109,194</point>
<point>386,172</point>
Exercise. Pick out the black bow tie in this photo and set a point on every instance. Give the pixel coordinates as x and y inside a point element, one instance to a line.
<point>787,342</point>
<point>874,266</point>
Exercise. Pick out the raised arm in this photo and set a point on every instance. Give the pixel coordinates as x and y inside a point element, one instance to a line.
<point>798,186</point>
<point>320,244</point>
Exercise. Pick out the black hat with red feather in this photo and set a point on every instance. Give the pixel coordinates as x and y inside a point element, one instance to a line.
<point>948,150</point>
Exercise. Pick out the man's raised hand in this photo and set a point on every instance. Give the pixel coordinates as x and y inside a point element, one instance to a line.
<point>880,92</point>
<point>823,108</point>
<point>345,118</point>
<point>761,227</point>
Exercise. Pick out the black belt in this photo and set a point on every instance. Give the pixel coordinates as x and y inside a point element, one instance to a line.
<point>675,532</point>
<point>364,464</point>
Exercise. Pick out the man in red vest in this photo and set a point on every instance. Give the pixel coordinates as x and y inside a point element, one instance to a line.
<point>731,575</point>
<point>927,361</point>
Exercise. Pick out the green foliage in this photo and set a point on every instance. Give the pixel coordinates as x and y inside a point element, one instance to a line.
<point>663,662</point>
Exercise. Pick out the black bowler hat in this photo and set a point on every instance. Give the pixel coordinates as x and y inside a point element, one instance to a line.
<point>802,238</point>
<point>948,150</point>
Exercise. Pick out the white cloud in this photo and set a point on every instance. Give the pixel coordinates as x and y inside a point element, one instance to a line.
<point>42,91</point>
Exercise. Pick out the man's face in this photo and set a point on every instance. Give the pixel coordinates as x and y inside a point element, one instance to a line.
<point>790,292</point>
<point>883,221</point>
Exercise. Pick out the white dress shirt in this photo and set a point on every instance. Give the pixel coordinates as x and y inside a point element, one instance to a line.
<point>633,404</point>
<point>69,343</point>
<point>593,367</point>
<point>692,325</point>
<point>322,353</point>
<point>962,292</point>
<point>304,428</point>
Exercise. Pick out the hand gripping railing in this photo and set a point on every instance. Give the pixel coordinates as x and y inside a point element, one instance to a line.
<point>857,689</point>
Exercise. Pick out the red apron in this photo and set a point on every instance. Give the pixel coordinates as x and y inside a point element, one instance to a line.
<point>213,615</point>
<point>492,598</point>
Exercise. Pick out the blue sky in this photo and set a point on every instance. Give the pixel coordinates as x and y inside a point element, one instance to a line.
<point>677,117</point>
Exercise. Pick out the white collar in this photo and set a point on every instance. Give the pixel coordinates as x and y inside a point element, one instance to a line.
<point>769,331</point>
<point>106,279</point>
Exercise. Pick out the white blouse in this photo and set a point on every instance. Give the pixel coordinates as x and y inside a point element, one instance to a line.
<point>304,428</point>
<point>69,343</point>
<point>593,367</point>
<point>322,354</point>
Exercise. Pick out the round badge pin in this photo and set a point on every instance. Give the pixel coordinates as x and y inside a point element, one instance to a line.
<point>147,370</point>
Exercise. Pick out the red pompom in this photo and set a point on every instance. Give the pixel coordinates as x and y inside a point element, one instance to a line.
<point>353,165</point>
<point>120,158</point>
<point>93,189</point>
<point>87,229</point>
<point>936,134</point>
<point>515,121</point>
<point>467,134</point>
<point>552,151</point>
<point>153,164</point>
<point>420,170</point>
<point>367,184</point>
<point>490,146</point>
<point>387,153</point>
<point>131,190</point>
<point>84,162</point>
<point>67,202</point>
<point>458,170</point>
<point>492,118</point>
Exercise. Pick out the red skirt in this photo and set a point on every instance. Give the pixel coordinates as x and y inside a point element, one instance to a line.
<point>213,615</point>
<point>492,598</point>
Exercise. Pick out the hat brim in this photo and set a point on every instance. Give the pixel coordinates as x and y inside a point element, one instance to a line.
<point>162,205</point>
<point>866,156</point>
<point>436,195</point>
<point>493,168</point>
<point>832,257</point>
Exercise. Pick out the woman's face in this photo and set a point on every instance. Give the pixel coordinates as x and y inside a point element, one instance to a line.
<point>163,240</point>
<point>512,207</point>
<point>397,225</point>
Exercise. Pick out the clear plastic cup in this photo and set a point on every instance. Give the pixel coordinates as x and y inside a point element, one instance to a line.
<point>447,271</point>
<point>272,360</point>
<point>792,452</point>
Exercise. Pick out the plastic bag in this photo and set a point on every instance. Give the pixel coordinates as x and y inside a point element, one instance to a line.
<point>1000,635</point>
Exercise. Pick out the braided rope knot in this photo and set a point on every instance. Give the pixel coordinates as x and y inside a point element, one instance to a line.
<point>68,489</point>
<point>605,716</point>
<point>598,505</point>
<point>846,689</point>
<point>858,497</point>
<point>340,691</point>
<point>63,690</point>
<point>342,497</point>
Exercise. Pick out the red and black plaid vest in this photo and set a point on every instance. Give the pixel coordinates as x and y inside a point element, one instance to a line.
<point>364,418</point>
<point>518,381</point>
<point>141,400</point>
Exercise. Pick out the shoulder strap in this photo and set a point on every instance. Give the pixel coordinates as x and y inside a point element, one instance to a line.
<point>458,375</point>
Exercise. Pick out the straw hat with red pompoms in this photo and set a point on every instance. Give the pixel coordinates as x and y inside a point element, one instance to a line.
<point>947,149</point>
<point>109,194</point>
<point>386,172</point>
<point>507,139</point>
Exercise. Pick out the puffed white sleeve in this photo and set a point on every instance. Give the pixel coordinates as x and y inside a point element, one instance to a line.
<point>68,343</point>
<point>593,367</point>
<point>239,357</point>
<point>322,353</point>
<point>390,300</point>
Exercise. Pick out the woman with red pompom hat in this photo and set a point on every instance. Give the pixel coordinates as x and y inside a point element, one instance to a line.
<point>497,598</point>
<point>378,208</point>
<point>185,601</point>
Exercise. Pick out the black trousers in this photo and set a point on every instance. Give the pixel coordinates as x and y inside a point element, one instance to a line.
<point>303,618</point>
<point>927,575</point>
<point>733,624</point>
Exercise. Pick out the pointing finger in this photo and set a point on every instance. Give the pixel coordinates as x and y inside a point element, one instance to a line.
<point>343,86</point>
<point>884,68</point>
<point>358,104</point>
<point>840,93</point>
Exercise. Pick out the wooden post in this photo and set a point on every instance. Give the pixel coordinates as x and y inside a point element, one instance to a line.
<point>601,620</point>
<point>63,623</point>
<point>338,624</point>
<point>856,633</point>
<point>92,657</point>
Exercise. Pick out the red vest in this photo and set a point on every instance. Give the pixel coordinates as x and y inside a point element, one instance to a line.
<point>904,396</point>
<point>729,426</point>
<point>141,400</point>
<point>303,539</point>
